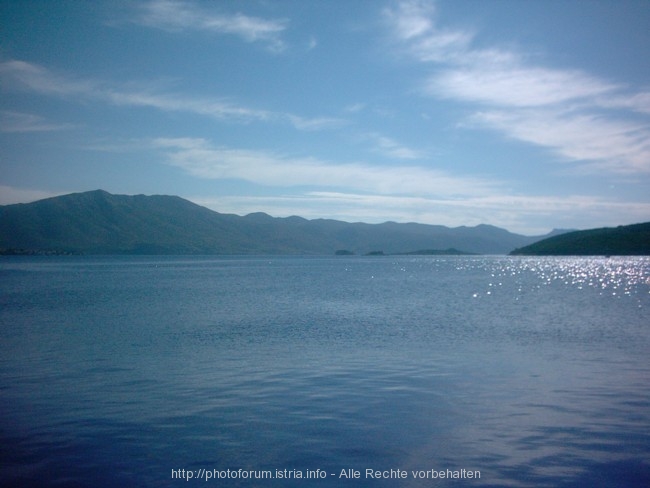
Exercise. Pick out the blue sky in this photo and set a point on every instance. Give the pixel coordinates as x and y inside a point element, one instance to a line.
<point>527,115</point>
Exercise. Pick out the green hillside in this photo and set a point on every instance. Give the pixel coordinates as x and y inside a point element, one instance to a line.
<point>628,240</point>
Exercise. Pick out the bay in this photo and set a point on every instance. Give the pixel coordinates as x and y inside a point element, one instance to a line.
<point>137,371</point>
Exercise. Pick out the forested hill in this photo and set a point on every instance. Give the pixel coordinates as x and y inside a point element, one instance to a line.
<point>98,222</point>
<point>624,240</point>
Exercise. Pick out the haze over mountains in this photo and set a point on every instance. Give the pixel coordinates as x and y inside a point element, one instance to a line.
<point>97,222</point>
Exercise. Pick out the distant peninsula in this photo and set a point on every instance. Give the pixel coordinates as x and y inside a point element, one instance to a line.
<point>98,222</point>
<point>625,240</point>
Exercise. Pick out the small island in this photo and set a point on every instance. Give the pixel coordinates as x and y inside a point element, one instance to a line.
<point>438,252</point>
<point>422,252</point>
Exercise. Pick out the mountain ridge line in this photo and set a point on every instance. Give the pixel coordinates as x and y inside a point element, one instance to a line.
<point>98,222</point>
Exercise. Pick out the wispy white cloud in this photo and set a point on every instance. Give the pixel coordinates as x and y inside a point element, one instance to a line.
<point>414,22</point>
<point>23,122</point>
<point>637,102</point>
<point>200,158</point>
<point>214,108</point>
<point>516,86</point>
<point>21,75</point>
<point>313,124</point>
<point>17,74</point>
<point>411,19</point>
<point>606,144</point>
<point>531,217</point>
<point>391,148</point>
<point>561,109</point>
<point>354,108</point>
<point>174,15</point>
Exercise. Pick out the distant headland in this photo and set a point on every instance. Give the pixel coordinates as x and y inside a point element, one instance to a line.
<point>624,240</point>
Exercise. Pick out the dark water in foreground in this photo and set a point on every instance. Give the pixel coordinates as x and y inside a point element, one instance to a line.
<point>123,371</point>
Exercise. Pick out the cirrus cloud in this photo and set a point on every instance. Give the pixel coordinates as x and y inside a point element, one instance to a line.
<point>176,16</point>
<point>202,159</point>
<point>24,76</point>
<point>565,110</point>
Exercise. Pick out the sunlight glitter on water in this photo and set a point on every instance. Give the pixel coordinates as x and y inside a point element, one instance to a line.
<point>610,276</point>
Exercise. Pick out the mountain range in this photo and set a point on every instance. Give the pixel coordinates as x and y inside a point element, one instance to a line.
<point>97,222</point>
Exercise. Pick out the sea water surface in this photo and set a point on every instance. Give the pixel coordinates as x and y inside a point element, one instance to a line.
<point>149,371</point>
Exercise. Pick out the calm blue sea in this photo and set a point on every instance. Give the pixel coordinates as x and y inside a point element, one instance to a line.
<point>212,371</point>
